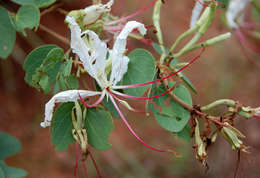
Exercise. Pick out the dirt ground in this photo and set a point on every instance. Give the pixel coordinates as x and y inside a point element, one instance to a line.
<point>222,72</point>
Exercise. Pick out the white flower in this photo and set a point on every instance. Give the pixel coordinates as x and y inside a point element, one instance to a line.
<point>235,11</point>
<point>93,12</point>
<point>196,11</point>
<point>93,55</point>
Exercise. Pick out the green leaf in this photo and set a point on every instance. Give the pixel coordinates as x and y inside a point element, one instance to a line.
<point>9,145</point>
<point>141,69</point>
<point>12,172</point>
<point>62,127</point>
<point>38,3</point>
<point>110,107</point>
<point>99,126</point>
<point>28,16</point>
<point>173,117</point>
<point>55,54</point>
<point>184,133</point>
<point>34,60</point>
<point>67,68</point>
<point>72,82</point>
<point>44,83</point>
<point>7,34</point>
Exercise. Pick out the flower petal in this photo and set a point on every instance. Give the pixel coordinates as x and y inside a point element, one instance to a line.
<point>65,96</point>
<point>196,11</point>
<point>93,12</point>
<point>234,11</point>
<point>92,52</point>
<point>119,61</point>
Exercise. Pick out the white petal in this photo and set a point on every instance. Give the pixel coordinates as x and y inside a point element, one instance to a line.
<point>98,53</point>
<point>119,61</point>
<point>196,11</point>
<point>235,8</point>
<point>65,96</point>
<point>93,12</point>
<point>92,52</point>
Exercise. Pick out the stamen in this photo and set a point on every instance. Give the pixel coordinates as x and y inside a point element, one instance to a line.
<point>155,81</point>
<point>131,130</point>
<point>92,105</point>
<point>119,100</point>
<point>95,164</point>
<point>141,98</point>
<point>132,15</point>
<point>84,169</point>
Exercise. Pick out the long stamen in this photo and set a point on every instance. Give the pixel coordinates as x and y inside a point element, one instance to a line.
<point>92,105</point>
<point>132,15</point>
<point>131,130</point>
<point>131,108</point>
<point>95,164</point>
<point>155,81</point>
<point>141,98</point>
<point>84,169</point>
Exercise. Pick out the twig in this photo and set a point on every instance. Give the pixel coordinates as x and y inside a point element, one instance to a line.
<point>51,8</point>
<point>56,35</point>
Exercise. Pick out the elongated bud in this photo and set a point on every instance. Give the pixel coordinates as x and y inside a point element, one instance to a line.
<point>200,146</point>
<point>232,135</point>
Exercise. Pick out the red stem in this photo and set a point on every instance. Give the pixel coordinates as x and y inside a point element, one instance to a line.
<point>92,105</point>
<point>95,164</point>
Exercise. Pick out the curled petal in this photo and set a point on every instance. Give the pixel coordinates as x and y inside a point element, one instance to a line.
<point>65,96</point>
<point>196,11</point>
<point>119,61</point>
<point>93,12</point>
<point>234,11</point>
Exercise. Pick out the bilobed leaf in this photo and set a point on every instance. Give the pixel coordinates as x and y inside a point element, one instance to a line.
<point>173,117</point>
<point>44,83</point>
<point>7,34</point>
<point>55,54</point>
<point>12,172</point>
<point>99,126</point>
<point>62,127</point>
<point>141,69</point>
<point>67,68</point>
<point>38,3</point>
<point>28,16</point>
<point>34,60</point>
<point>9,145</point>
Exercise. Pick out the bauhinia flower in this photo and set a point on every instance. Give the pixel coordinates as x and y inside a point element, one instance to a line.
<point>235,12</point>
<point>235,16</point>
<point>93,54</point>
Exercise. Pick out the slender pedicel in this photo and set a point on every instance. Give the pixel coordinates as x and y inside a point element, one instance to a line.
<point>95,164</point>
<point>132,15</point>
<point>130,128</point>
<point>95,104</point>
<point>155,81</point>
<point>76,159</point>
<point>141,98</point>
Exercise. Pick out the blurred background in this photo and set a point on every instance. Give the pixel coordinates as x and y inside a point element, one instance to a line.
<point>222,72</point>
